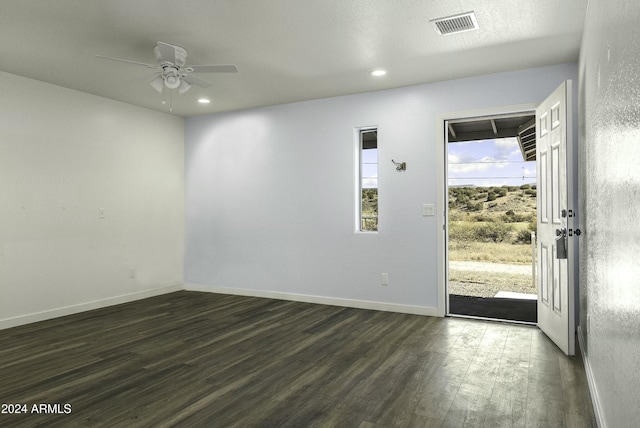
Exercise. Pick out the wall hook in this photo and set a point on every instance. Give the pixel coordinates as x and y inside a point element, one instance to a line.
<point>400,166</point>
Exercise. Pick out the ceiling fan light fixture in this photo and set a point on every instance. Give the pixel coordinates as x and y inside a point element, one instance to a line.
<point>172,81</point>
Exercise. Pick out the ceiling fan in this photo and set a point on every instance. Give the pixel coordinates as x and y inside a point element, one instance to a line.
<point>172,71</point>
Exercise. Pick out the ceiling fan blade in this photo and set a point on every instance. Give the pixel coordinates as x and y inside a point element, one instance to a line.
<point>193,80</point>
<point>127,61</point>
<point>157,84</point>
<point>221,68</point>
<point>184,86</point>
<point>167,52</point>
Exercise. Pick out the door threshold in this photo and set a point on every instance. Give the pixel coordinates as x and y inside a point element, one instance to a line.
<point>523,310</point>
<point>492,319</point>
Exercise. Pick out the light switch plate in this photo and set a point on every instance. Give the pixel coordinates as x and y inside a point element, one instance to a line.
<point>428,210</point>
<point>384,279</point>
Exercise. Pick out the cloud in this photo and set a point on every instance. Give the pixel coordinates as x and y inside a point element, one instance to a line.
<point>505,143</point>
<point>469,167</point>
<point>370,183</point>
<point>505,148</point>
<point>488,159</point>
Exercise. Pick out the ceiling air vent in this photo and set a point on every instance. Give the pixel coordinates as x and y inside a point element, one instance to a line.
<point>456,24</point>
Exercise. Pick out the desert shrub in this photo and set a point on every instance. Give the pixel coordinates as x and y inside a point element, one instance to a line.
<point>513,217</point>
<point>531,192</point>
<point>482,218</point>
<point>493,232</point>
<point>491,196</point>
<point>455,216</point>
<point>508,217</point>
<point>462,198</point>
<point>525,187</point>
<point>522,237</point>
<point>502,192</point>
<point>474,206</point>
<point>461,231</point>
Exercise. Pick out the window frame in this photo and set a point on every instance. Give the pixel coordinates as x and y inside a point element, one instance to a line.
<point>359,179</point>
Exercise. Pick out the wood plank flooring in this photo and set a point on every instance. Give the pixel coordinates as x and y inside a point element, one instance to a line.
<point>206,360</point>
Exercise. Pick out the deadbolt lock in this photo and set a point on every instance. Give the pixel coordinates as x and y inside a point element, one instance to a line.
<point>576,232</point>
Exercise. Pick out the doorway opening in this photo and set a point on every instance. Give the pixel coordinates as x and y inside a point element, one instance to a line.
<point>491,217</point>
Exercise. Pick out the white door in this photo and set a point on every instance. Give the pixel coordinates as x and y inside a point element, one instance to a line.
<point>555,291</point>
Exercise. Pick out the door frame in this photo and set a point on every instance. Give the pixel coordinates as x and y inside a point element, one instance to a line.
<point>442,186</point>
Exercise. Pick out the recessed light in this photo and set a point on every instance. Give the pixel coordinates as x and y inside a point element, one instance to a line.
<point>204,101</point>
<point>378,73</point>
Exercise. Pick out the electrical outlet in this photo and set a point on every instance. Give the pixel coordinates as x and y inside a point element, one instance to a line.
<point>384,279</point>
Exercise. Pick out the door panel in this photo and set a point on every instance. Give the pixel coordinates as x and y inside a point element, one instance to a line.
<point>555,308</point>
<point>542,177</point>
<point>544,279</point>
<point>555,182</point>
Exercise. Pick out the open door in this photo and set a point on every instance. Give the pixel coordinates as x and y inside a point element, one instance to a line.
<point>555,260</point>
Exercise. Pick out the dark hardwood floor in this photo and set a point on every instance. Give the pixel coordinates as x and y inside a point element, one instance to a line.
<point>197,359</point>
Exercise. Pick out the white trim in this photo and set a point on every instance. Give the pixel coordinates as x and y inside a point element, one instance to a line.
<point>441,197</point>
<point>595,398</point>
<point>348,303</point>
<point>358,177</point>
<point>87,306</point>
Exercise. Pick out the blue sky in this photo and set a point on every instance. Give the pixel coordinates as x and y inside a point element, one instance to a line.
<point>369,168</point>
<point>489,163</point>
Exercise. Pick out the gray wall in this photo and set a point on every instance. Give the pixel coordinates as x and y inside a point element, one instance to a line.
<point>270,199</point>
<point>63,155</point>
<point>610,195</point>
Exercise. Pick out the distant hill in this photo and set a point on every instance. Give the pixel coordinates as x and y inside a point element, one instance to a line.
<point>516,201</point>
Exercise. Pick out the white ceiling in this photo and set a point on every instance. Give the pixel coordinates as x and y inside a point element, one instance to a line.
<point>285,50</point>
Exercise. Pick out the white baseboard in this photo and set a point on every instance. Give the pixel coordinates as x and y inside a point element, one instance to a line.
<point>595,399</point>
<point>349,303</point>
<point>87,306</point>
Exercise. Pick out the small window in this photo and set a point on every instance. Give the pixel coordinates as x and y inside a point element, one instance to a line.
<point>368,182</point>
